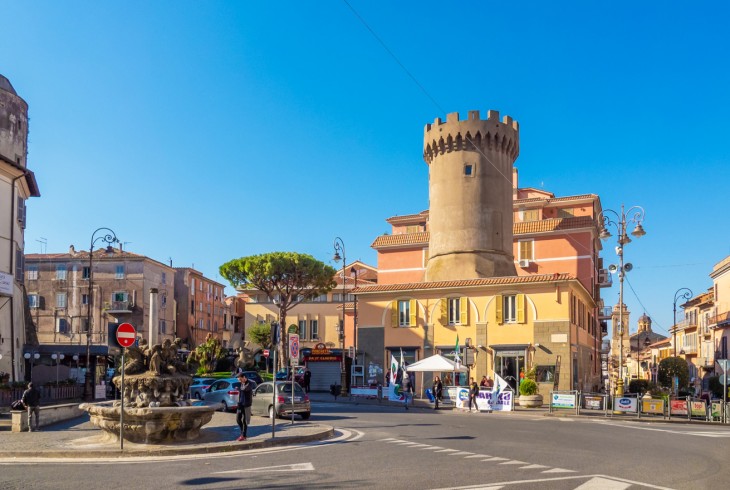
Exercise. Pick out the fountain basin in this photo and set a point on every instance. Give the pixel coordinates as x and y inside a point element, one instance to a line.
<point>150,425</point>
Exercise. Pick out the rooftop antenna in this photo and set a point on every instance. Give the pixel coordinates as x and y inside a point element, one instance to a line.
<point>44,244</point>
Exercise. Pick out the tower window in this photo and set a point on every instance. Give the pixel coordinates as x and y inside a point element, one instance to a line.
<point>468,170</point>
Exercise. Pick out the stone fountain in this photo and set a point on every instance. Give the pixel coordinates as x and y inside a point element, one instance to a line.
<point>154,389</point>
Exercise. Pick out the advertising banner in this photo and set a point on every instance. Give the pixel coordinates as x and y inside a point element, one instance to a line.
<point>593,402</point>
<point>563,400</point>
<point>625,404</point>
<point>678,407</point>
<point>487,400</point>
<point>698,409</point>
<point>655,406</point>
<point>716,410</point>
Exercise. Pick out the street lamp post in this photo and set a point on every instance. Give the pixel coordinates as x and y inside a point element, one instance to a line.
<point>57,357</point>
<point>635,215</point>
<point>109,237</point>
<point>687,294</point>
<point>339,246</point>
<point>32,358</point>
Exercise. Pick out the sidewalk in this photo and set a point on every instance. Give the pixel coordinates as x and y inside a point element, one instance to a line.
<point>77,438</point>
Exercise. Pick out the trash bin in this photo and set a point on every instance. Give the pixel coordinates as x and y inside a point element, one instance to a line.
<point>335,390</point>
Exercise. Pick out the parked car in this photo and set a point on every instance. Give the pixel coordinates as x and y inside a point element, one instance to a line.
<point>283,374</point>
<point>223,391</point>
<point>199,386</point>
<point>254,376</point>
<point>263,400</point>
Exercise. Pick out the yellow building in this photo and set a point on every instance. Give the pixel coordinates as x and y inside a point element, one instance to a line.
<point>504,325</point>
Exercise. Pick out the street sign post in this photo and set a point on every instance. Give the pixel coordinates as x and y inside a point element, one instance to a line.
<point>294,349</point>
<point>126,337</point>
<point>126,334</point>
<point>266,353</point>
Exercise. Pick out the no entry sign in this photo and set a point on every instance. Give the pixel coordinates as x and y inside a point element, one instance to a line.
<point>126,334</point>
<point>266,352</point>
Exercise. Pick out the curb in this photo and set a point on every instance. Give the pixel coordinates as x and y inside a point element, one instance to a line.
<point>210,448</point>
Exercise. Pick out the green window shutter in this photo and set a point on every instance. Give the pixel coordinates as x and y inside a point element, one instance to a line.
<point>444,311</point>
<point>498,307</point>
<point>414,314</point>
<point>464,313</point>
<point>394,314</point>
<point>520,308</point>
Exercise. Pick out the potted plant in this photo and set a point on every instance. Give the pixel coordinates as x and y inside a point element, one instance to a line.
<point>529,396</point>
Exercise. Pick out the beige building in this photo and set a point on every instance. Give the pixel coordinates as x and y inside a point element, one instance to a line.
<point>17,184</point>
<point>74,300</point>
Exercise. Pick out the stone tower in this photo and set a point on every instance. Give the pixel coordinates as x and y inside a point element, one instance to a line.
<point>13,124</point>
<point>644,323</point>
<point>470,190</point>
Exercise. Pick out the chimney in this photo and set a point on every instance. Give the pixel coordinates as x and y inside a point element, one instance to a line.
<point>71,250</point>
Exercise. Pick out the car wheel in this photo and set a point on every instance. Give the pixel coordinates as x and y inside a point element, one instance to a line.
<point>305,415</point>
<point>271,412</point>
<point>225,407</point>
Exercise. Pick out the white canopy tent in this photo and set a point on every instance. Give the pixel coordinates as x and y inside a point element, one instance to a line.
<point>436,363</point>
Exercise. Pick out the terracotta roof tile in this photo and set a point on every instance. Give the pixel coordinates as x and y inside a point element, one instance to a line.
<point>556,199</point>
<point>490,281</point>
<point>521,228</point>
<point>408,217</point>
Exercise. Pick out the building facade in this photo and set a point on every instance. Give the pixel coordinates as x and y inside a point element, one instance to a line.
<point>518,268</point>
<point>201,308</point>
<point>76,301</point>
<point>17,185</point>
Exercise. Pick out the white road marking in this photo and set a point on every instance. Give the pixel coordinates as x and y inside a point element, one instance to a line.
<point>280,468</point>
<point>495,459</point>
<point>431,447</point>
<point>564,478</point>
<point>479,456</point>
<point>447,450</point>
<point>460,453</point>
<point>672,431</point>
<point>534,467</point>
<point>514,461</point>
<point>603,484</point>
<point>558,470</point>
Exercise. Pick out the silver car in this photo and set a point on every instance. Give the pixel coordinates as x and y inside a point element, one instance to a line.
<point>199,386</point>
<point>223,391</point>
<point>263,400</point>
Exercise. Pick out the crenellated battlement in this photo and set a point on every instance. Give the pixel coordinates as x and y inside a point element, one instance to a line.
<point>486,135</point>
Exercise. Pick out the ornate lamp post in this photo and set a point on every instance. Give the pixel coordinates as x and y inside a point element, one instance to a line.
<point>58,357</point>
<point>339,246</point>
<point>109,237</point>
<point>32,357</point>
<point>354,314</point>
<point>687,294</point>
<point>635,215</point>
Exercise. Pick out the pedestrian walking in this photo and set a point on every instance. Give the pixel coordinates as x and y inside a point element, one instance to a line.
<point>243,410</point>
<point>406,388</point>
<point>473,394</point>
<point>32,401</point>
<point>438,391</point>
<point>307,379</point>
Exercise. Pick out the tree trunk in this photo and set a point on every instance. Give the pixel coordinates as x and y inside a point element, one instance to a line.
<point>283,338</point>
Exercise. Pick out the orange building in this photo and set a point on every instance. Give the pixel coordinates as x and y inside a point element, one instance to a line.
<point>201,307</point>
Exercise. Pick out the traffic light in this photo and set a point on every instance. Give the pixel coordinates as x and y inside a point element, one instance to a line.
<point>274,333</point>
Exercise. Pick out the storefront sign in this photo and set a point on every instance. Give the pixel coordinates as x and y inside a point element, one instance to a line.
<point>593,402</point>
<point>698,409</point>
<point>563,400</point>
<point>652,406</point>
<point>625,404</point>
<point>678,407</point>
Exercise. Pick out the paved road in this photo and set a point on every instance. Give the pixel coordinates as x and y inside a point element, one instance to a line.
<point>416,449</point>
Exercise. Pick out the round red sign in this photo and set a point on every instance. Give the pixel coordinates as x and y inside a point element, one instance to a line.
<point>126,334</point>
<point>266,352</point>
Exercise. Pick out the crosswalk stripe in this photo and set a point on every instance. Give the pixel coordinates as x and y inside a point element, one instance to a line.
<point>495,459</point>
<point>533,467</point>
<point>513,462</point>
<point>431,447</point>
<point>460,453</point>
<point>447,450</point>
<point>479,456</point>
<point>558,470</point>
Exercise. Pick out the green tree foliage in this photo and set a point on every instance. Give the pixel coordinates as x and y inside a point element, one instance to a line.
<point>260,333</point>
<point>717,389</point>
<point>671,367</point>
<point>286,277</point>
<point>207,354</point>
<point>639,386</point>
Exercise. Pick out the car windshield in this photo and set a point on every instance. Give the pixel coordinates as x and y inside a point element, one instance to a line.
<point>286,389</point>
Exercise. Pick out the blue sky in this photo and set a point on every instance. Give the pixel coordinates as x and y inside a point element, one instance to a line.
<point>205,131</point>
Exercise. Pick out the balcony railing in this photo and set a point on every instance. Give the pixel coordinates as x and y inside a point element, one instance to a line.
<point>721,318</point>
<point>119,306</point>
<point>605,313</point>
